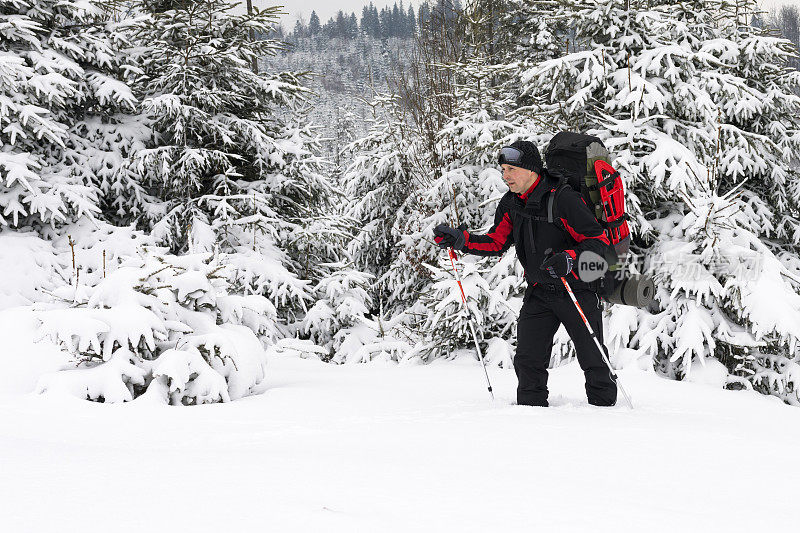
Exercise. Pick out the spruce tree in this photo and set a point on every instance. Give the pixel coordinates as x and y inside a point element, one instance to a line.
<point>314,27</point>
<point>61,90</point>
<point>378,180</point>
<point>411,27</point>
<point>232,162</point>
<point>364,23</point>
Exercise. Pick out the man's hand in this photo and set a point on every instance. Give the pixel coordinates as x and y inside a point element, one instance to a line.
<point>448,237</point>
<point>558,265</point>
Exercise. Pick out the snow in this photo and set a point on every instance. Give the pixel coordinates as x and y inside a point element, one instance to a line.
<point>708,371</point>
<point>386,447</point>
<point>112,381</point>
<point>28,264</point>
<point>22,359</point>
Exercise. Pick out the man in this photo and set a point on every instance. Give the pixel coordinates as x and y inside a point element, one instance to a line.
<point>547,251</point>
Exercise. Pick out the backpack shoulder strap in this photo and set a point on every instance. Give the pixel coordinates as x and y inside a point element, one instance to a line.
<point>551,204</point>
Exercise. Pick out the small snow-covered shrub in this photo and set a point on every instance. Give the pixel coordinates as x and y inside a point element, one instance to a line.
<point>376,338</point>
<point>114,381</point>
<point>162,325</point>
<point>340,328</point>
<point>343,302</point>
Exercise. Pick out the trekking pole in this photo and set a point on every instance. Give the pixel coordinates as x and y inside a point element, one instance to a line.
<point>614,376</point>
<point>452,254</point>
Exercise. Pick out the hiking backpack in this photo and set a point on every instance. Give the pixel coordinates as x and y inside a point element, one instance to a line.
<point>583,163</point>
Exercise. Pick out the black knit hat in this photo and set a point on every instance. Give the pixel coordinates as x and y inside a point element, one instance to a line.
<point>530,160</point>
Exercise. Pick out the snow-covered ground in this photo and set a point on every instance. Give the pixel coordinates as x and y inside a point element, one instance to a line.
<point>381,447</point>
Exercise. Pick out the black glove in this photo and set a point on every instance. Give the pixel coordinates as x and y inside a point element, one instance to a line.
<point>558,265</point>
<point>447,237</point>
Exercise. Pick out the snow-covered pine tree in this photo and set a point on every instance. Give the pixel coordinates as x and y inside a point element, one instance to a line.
<point>456,180</point>
<point>378,181</point>
<point>231,161</point>
<point>699,108</point>
<point>61,89</point>
<point>216,135</point>
<point>425,104</point>
<point>529,35</point>
<point>168,328</point>
<point>466,192</point>
<point>107,140</point>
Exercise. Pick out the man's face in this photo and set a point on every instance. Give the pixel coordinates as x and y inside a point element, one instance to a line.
<point>518,179</point>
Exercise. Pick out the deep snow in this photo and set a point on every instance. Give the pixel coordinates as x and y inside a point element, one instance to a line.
<point>381,447</point>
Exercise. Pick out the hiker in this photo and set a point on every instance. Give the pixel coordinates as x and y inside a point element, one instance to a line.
<point>548,251</point>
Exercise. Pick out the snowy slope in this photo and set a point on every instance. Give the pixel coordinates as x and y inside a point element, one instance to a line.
<point>381,447</point>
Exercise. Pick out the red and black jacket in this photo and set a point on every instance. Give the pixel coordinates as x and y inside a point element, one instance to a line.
<point>522,220</point>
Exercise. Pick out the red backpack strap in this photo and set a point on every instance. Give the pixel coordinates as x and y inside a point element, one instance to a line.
<point>601,166</point>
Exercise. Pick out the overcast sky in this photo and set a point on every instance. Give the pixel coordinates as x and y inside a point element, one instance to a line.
<point>328,8</point>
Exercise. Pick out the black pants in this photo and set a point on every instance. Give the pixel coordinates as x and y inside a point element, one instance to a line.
<point>542,312</point>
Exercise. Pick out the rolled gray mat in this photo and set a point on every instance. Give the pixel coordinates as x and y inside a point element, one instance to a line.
<point>638,291</point>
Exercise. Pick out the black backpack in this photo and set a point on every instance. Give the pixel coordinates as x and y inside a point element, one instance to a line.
<point>583,163</point>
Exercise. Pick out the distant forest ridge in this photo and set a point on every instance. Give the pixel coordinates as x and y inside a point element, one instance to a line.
<point>396,21</point>
<point>403,22</point>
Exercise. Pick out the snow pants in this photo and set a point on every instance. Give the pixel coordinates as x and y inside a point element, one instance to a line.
<point>544,309</point>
